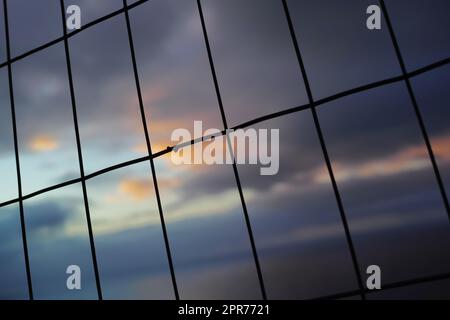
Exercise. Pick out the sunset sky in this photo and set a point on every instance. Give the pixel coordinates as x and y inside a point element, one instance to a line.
<point>395,210</point>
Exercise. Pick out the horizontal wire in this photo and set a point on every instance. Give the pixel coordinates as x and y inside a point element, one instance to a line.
<point>73,33</point>
<point>270,116</point>
<point>121,11</point>
<point>51,188</point>
<point>389,286</point>
<point>175,148</point>
<point>417,109</point>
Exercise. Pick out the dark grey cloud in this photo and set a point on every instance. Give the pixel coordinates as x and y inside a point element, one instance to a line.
<point>433,97</point>
<point>358,129</point>
<point>254,57</point>
<point>42,96</point>
<point>12,268</point>
<point>91,10</point>
<point>100,55</point>
<point>338,50</point>
<point>33,23</point>
<point>371,124</point>
<point>49,216</point>
<point>9,219</point>
<point>422,29</point>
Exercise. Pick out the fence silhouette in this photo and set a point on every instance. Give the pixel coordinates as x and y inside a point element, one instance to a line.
<point>311,106</point>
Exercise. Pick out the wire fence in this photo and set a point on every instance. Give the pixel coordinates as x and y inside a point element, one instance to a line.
<point>311,106</point>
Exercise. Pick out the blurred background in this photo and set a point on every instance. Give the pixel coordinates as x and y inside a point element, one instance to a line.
<point>391,198</point>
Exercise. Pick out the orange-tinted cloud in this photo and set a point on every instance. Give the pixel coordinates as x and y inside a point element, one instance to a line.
<point>441,148</point>
<point>406,160</point>
<point>43,143</point>
<point>141,189</point>
<point>142,147</point>
<point>136,189</point>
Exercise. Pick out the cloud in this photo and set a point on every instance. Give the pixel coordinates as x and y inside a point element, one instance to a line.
<point>364,225</point>
<point>441,147</point>
<point>391,165</point>
<point>177,206</point>
<point>140,189</point>
<point>46,216</point>
<point>136,189</point>
<point>411,158</point>
<point>205,206</point>
<point>9,222</point>
<point>154,94</point>
<point>43,143</point>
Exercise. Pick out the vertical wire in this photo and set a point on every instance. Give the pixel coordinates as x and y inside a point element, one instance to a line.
<point>416,109</point>
<point>325,152</point>
<point>16,150</point>
<point>315,116</point>
<point>149,150</point>
<point>80,154</point>
<point>235,170</point>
